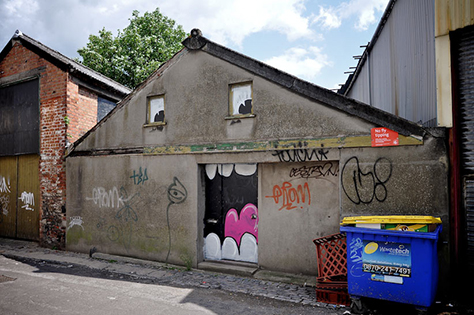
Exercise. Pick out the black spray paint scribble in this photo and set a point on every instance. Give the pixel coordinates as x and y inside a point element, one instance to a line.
<point>315,171</point>
<point>301,155</point>
<point>177,194</point>
<point>366,185</point>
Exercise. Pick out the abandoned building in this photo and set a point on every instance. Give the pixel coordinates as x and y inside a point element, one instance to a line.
<point>47,101</point>
<point>218,157</point>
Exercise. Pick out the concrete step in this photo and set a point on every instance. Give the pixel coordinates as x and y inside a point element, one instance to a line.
<point>234,268</point>
<point>253,271</point>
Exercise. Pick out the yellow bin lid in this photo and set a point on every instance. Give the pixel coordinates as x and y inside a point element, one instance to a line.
<point>392,219</point>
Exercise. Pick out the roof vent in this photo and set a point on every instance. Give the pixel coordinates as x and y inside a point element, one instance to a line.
<point>17,34</point>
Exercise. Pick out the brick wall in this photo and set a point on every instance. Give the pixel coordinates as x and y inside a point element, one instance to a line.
<point>60,97</point>
<point>81,111</point>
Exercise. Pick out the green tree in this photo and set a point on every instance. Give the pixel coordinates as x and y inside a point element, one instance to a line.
<point>138,49</point>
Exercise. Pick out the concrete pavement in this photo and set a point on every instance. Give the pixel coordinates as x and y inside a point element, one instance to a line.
<point>298,290</point>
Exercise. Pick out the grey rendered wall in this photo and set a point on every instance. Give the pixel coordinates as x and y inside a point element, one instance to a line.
<point>299,202</point>
<point>133,205</point>
<point>408,179</point>
<point>117,210</point>
<point>395,180</point>
<point>196,104</point>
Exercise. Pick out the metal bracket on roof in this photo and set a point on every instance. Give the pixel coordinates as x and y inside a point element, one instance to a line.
<point>17,34</point>
<point>195,40</point>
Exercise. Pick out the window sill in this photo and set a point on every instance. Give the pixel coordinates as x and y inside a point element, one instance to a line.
<point>240,116</point>
<point>155,124</point>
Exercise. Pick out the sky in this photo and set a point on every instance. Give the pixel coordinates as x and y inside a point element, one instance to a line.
<point>314,40</point>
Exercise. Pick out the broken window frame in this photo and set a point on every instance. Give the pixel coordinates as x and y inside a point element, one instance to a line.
<point>150,116</point>
<point>231,114</point>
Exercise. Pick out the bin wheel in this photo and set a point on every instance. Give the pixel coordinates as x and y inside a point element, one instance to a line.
<point>421,311</point>
<point>358,307</point>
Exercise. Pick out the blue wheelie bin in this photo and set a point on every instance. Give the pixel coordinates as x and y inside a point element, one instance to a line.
<point>392,265</point>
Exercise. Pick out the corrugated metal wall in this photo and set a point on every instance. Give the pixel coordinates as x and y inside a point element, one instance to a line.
<point>402,64</point>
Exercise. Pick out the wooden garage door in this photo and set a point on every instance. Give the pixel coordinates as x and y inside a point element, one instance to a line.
<point>19,197</point>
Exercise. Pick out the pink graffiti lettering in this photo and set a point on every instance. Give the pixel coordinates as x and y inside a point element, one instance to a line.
<point>291,196</point>
<point>236,226</point>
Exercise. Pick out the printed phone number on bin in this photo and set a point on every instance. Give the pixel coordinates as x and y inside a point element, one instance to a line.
<point>387,270</point>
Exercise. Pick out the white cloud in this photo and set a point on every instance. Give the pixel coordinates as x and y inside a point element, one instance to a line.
<point>232,21</point>
<point>16,7</point>
<point>363,10</point>
<point>66,25</point>
<point>301,62</point>
<point>328,18</point>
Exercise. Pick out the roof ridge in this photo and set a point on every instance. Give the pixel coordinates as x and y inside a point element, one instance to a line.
<point>320,94</point>
<point>71,63</point>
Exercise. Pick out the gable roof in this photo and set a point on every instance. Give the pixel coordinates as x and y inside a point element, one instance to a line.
<point>65,63</point>
<point>327,97</point>
<point>311,91</point>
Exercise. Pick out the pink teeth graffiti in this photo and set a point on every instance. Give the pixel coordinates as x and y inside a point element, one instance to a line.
<point>235,227</point>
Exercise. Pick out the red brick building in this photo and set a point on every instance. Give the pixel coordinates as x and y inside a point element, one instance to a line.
<point>47,101</point>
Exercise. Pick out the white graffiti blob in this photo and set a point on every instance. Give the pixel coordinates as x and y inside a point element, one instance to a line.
<point>108,199</point>
<point>212,247</point>
<point>229,249</point>
<point>4,185</point>
<point>77,220</point>
<point>28,199</point>
<point>227,169</point>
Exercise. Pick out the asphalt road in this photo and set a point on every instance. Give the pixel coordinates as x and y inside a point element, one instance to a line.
<point>32,287</point>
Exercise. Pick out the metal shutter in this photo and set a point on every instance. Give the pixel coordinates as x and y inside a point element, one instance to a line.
<point>464,50</point>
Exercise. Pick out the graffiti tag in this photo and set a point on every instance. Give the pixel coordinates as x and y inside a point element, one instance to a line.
<point>355,255</point>
<point>366,185</point>
<point>125,216</point>
<point>315,171</point>
<point>107,198</point>
<point>177,194</point>
<point>301,155</point>
<point>77,220</point>
<point>4,185</point>
<point>291,196</point>
<point>28,199</point>
<point>139,177</point>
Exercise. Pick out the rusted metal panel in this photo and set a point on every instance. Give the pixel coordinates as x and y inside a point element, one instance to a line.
<point>19,118</point>
<point>28,197</point>
<point>452,15</point>
<point>8,196</point>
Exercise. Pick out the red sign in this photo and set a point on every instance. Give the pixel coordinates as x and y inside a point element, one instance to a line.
<point>383,137</point>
